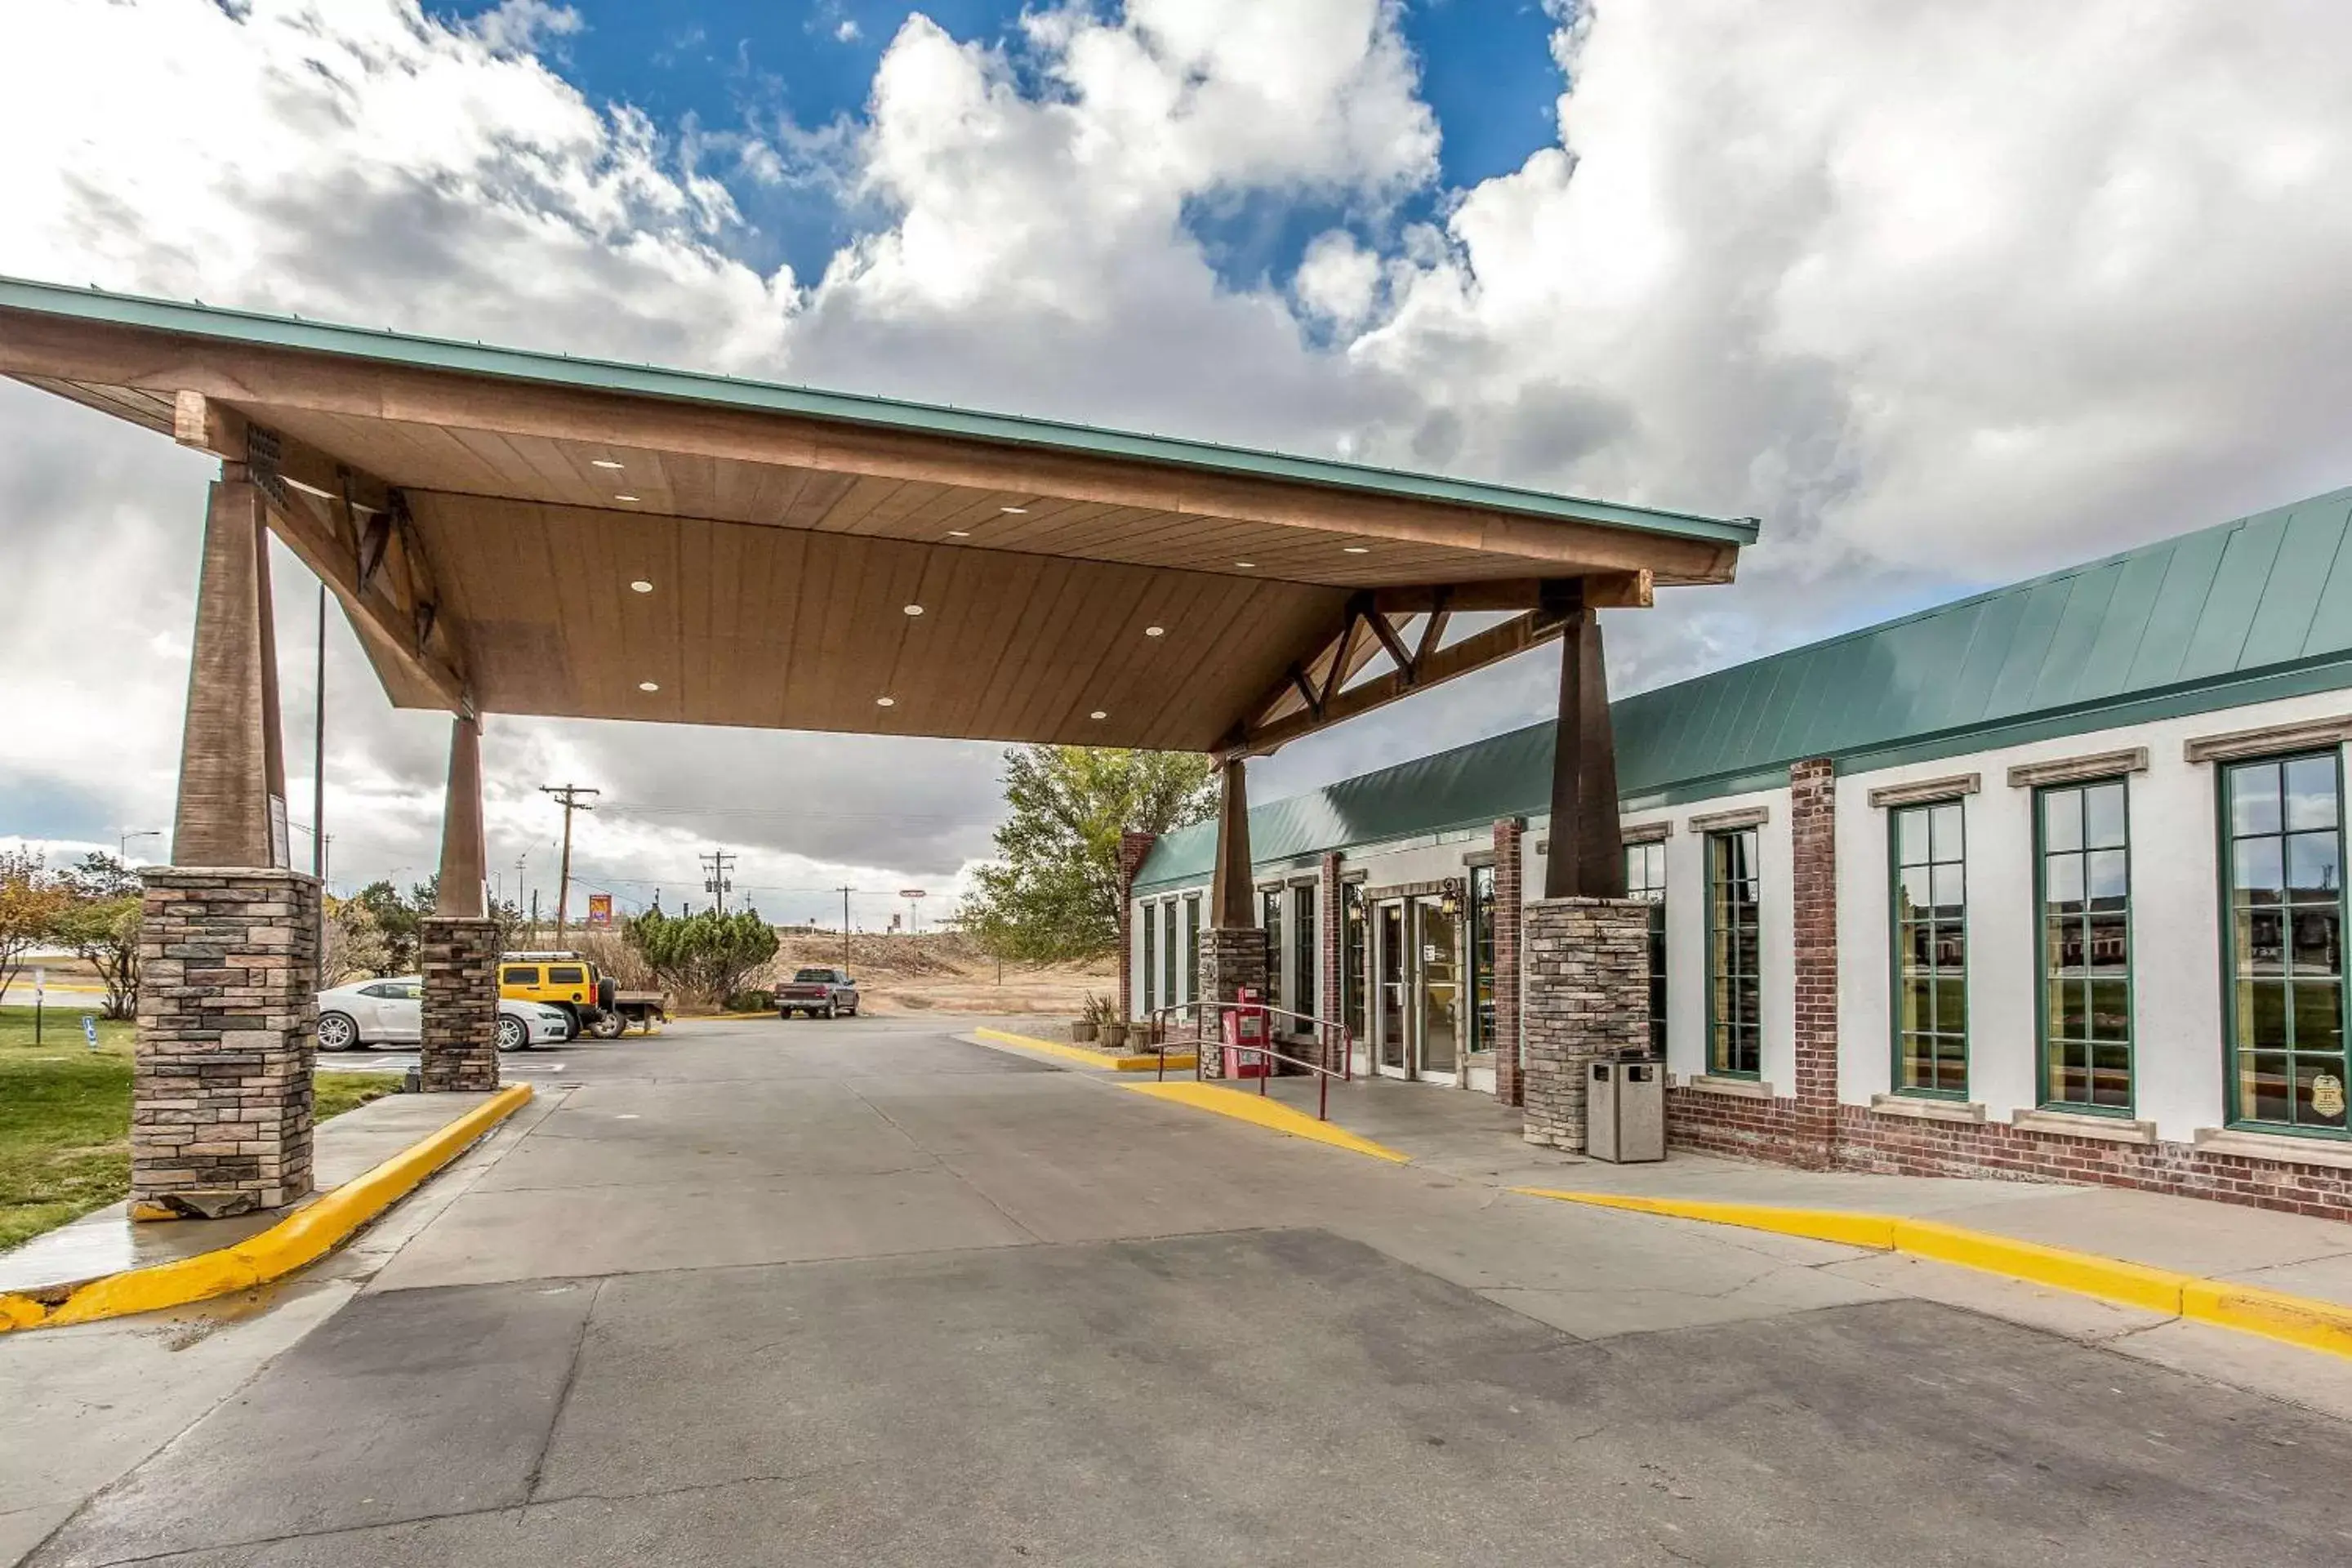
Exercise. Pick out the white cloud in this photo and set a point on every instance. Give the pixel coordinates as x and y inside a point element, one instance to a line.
<point>1942,293</point>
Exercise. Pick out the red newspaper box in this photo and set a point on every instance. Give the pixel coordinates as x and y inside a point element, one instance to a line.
<point>1245,1023</point>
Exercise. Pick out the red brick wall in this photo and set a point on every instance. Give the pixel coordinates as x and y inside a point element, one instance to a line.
<point>1132,848</point>
<point>1509,923</point>
<point>1812,851</point>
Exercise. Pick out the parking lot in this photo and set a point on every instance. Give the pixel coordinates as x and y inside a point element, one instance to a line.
<point>863,1292</point>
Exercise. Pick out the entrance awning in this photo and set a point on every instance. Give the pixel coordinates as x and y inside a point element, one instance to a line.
<point>534,534</point>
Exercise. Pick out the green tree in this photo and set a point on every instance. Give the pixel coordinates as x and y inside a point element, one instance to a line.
<point>30,902</point>
<point>104,932</point>
<point>1053,891</point>
<point>706,956</point>
<point>396,918</point>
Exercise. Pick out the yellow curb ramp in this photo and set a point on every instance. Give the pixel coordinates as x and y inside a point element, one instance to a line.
<point>1176,1062</point>
<point>1265,1112</point>
<point>2304,1321</point>
<point>302,1237</point>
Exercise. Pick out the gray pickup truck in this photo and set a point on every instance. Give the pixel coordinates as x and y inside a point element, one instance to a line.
<point>819,992</point>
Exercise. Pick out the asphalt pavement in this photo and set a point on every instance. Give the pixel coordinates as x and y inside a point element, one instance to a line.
<point>861,1292</point>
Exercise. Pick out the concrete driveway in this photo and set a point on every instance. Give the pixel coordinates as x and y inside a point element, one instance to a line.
<point>861,1292</point>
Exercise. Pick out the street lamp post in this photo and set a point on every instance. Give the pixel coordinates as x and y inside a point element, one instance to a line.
<point>122,840</point>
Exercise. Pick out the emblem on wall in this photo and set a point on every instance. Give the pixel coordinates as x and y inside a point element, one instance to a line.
<point>2328,1095</point>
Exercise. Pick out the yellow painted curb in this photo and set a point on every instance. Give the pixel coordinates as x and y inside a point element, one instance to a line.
<point>1176,1063</point>
<point>1265,1112</point>
<point>304,1237</point>
<point>2314,1324</point>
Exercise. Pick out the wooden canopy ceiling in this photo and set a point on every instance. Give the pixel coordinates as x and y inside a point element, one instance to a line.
<point>532,534</point>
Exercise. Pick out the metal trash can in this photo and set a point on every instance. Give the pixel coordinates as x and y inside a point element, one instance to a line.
<point>1625,1111</point>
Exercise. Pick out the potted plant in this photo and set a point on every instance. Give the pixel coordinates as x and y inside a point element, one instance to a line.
<point>1084,1027</point>
<point>1110,1028</point>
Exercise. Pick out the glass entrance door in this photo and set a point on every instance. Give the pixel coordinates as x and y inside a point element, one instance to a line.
<point>1438,994</point>
<point>1393,979</point>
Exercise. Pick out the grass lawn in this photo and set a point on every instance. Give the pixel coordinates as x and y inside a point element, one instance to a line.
<point>64,1118</point>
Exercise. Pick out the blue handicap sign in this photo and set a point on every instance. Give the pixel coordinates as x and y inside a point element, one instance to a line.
<point>89,1029</point>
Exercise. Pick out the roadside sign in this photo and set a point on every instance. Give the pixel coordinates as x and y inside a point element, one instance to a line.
<point>599,908</point>
<point>40,986</point>
<point>912,893</point>
<point>89,1029</point>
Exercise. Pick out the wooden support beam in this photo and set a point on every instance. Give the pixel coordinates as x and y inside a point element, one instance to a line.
<point>464,857</point>
<point>1306,690</point>
<point>232,794</point>
<point>1443,664</point>
<point>1342,653</point>
<point>1379,621</point>
<point>1231,894</point>
<point>1603,591</point>
<point>1587,857</point>
<point>1433,630</point>
<point>311,502</point>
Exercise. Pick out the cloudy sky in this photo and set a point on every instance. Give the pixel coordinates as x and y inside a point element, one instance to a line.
<point>1945,294</point>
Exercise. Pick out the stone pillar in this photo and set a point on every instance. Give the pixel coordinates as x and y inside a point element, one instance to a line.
<point>459,960</point>
<point>1509,885</point>
<point>1132,849</point>
<point>1586,967</point>
<point>1331,949</point>
<point>1230,958</point>
<point>457,947</point>
<point>220,1119</point>
<point>1812,826</point>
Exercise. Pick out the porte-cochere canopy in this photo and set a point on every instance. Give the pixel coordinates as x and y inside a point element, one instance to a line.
<point>530,533</point>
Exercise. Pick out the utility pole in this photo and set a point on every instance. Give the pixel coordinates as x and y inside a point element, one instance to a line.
<point>844,926</point>
<point>716,881</point>
<point>574,798</point>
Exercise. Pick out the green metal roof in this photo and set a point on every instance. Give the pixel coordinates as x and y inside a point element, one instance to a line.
<point>2245,611</point>
<point>385,346</point>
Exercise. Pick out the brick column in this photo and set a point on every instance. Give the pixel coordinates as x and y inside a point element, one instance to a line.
<point>227,1013</point>
<point>1508,885</point>
<point>1230,958</point>
<point>1812,825</point>
<point>1587,968</point>
<point>460,959</point>
<point>1132,849</point>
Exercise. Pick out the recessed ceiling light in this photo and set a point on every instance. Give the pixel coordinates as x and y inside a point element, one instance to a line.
<point>1244,565</point>
<point>886,703</point>
<point>914,609</point>
<point>959,533</point>
<point>1155,631</point>
<point>1098,713</point>
<point>1014,510</point>
<point>642,586</point>
<point>1354,550</point>
<point>623,498</point>
<point>649,686</point>
<point>602,463</point>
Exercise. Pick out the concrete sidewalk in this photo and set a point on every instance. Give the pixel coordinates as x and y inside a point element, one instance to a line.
<point>1468,1135</point>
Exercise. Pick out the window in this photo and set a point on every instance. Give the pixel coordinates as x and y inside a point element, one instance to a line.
<point>567,976</point>
<point>1931,952</point>
<point>1151,955</point>
<point>1270,918</point>
<point>519,977</point>
<point>1734,1022</point>
<point>1352,937</point>
<point>1302,951</point>
<point>2284,825</point>
<point>1168,953</point>
<point>1482,959</point>
<point>1645,878</point>
<point>1192,946</point>
<point>2086,892</point>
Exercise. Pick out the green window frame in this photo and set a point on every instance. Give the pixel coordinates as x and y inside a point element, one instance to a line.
<point>1150,956</point>
<point>1734,938</point>
<point>1270,920</point>
<point>1191,947</point>
<point>1928,904</point>
<point>2082,887</point>
<point>2281,823</point>
<point>1167,997</point>
<point>1482,1022</point>
<point>1645,878</point>
<point>1354,940</point>
<point>1303,955</point>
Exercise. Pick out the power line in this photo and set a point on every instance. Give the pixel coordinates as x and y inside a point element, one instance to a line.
<point>574,798</point>
<point>715,880</point>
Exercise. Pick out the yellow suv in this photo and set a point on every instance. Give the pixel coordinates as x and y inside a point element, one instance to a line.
<point>564,981</point>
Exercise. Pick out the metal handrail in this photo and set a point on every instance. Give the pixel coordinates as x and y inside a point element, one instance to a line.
<point>1203,1044</point>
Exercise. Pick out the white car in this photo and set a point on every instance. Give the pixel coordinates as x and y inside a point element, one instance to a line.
<point>391,1013</point>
